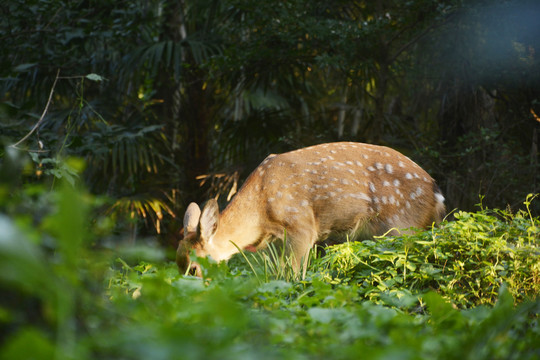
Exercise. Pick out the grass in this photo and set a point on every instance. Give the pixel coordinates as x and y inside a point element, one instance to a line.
<point>272,263</point>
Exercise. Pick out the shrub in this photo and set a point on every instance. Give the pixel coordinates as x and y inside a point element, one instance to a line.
<point>466,260</point>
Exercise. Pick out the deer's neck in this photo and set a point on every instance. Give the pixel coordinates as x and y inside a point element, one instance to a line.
<point>239,225</point>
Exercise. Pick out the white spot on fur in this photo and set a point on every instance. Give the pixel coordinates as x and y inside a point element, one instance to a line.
<point>372,187</point>
<point>291,209</point>
<point>386,183</point>
<point>345,181</point>
<point>389,169</point>
<point>439,197</point>
<point>408,176</point>
<point>360,196</point>
<point>396,183</point>
<point>304,203</point>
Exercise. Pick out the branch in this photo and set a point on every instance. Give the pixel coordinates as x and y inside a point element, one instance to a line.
<point>42,115</point>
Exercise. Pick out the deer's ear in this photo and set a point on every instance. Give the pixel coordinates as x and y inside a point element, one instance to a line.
<point>191,218</point>
<point>209,219</point>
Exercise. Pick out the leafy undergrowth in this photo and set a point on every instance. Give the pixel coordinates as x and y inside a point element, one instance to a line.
<point>234,316</point>
<point>464,290</point>
<point>466,260</point>
<point>436,295</point>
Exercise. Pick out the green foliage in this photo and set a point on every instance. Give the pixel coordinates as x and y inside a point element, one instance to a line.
<point>230,315</point>
<point>63,298</point>
<point>466,260</point>
<point>272,263</point>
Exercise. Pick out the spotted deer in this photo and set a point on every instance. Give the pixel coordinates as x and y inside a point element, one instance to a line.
<point>310,193</point>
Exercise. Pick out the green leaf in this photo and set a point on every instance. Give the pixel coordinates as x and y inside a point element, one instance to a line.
<point>29,343</point>
<point>324,315</point>
<point>24,67</point>
<point>95,77</point>
<point>442,312</point>
<point>21,262</point>
<point>275,286</point>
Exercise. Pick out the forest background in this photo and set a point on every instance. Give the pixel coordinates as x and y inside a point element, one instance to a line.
<point>114,115</point>
<point>175,101</point>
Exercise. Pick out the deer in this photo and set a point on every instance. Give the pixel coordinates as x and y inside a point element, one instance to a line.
<point>355,190</point>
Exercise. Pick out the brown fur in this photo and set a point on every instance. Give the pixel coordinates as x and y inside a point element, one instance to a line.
<point>310,193</point>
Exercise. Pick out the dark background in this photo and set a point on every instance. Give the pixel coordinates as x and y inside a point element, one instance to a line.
<point>192,95</point>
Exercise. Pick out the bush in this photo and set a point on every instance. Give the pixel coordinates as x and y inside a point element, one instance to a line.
<point>466,260</point>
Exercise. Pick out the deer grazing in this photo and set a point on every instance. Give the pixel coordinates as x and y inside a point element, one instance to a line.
<point>358,189</point>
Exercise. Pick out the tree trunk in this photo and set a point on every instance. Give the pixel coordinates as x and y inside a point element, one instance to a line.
<point>184,108</point>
